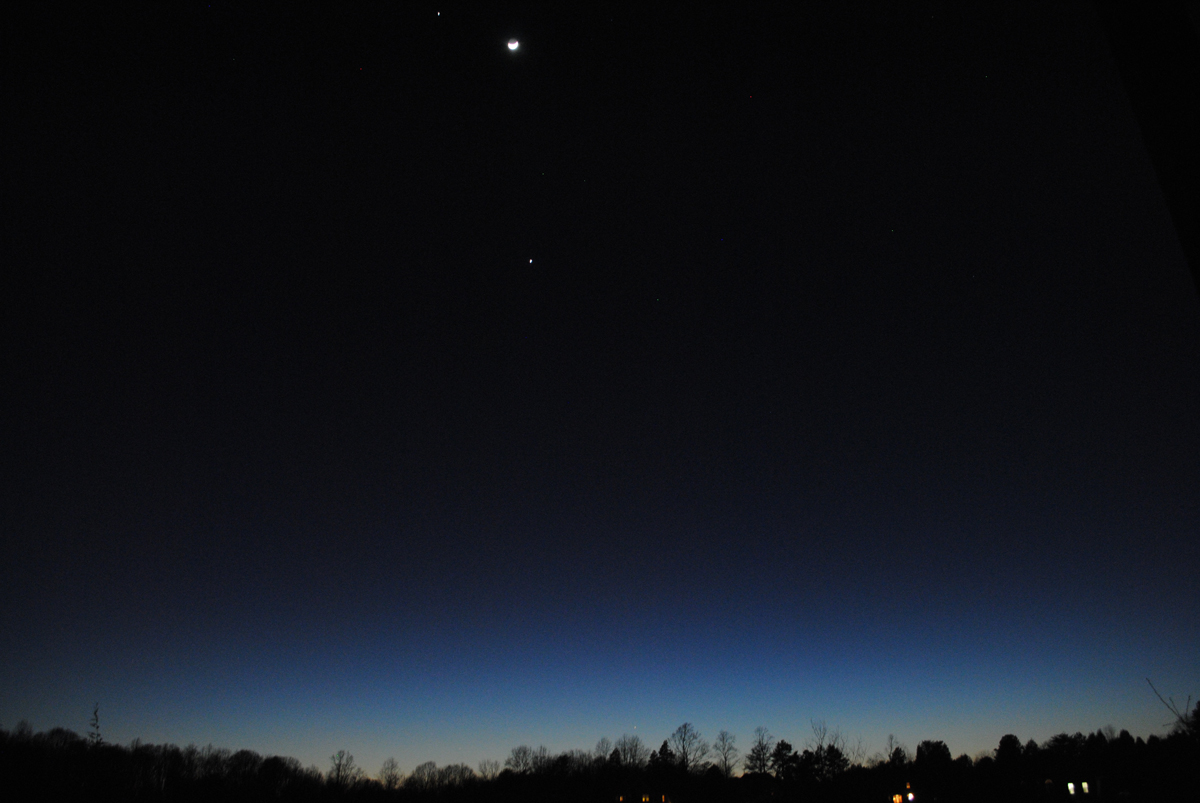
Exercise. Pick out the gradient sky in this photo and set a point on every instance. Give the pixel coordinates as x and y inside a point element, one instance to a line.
<point>853,377</point>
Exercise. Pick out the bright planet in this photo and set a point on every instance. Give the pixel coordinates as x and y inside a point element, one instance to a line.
<point>513,44</point>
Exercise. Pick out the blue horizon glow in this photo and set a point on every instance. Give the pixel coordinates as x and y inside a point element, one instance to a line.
<point>462,694</point>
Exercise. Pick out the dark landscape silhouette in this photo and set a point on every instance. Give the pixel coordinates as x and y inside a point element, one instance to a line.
<point>59,764</point>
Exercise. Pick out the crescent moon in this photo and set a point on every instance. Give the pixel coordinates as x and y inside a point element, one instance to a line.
<point>513,44</point>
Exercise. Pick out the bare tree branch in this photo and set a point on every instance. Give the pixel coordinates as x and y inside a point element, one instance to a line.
<point>1181,719</point>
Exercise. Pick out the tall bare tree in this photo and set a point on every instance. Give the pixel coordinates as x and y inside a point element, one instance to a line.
<point>489,769</point>
<point>575,760</point>
<point>759,757</point>
<point>604,748</point>
<point>690,749</point>
<point>726,753</point>
<point>632,751</point>
<point>455,775</point>
<point>342,769</point>
<point>424,776</point>
<point>857,751</point>
<point>520,759</point>
<point>541,759</point>
<point>390,775</point>
<point>824,737</point>
<point>896,753</point>
<point>828,748</point>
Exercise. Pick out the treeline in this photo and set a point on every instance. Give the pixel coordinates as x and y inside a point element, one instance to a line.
<point>60,765</point>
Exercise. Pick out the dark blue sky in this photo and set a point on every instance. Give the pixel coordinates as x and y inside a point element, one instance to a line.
<point>853,377</point>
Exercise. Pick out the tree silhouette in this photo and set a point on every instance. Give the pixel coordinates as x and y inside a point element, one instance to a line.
<point>94,738</point>
<point>342,769</point>
<point>663,757</point>
<point>540,759</point>
<point>632,751</point>
<point>424,777</point>
<point>933,765</point>
<point>389,775</point>
<point>1185,720</point>
<point>1008,752</point>
<point>520,759</point>
<point>784,760</point>
<point>833,762</point>
<point>758,759</point>
<point>455,775</point>
<point>896,753</point>
<point>489,769</point>
<point>690,749</point>
<point>59,765</point>
<point>933,753</point>
<point>244,765</point>
<point>726,753</point>
<point>604,748</point>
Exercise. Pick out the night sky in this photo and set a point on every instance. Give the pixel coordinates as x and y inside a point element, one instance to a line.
<point>369,385</point>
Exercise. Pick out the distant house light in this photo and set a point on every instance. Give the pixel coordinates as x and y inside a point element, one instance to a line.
<point>910,795</point>
<point>1071,788</point>
<point>897,798</point>
<point>1084,785</point>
